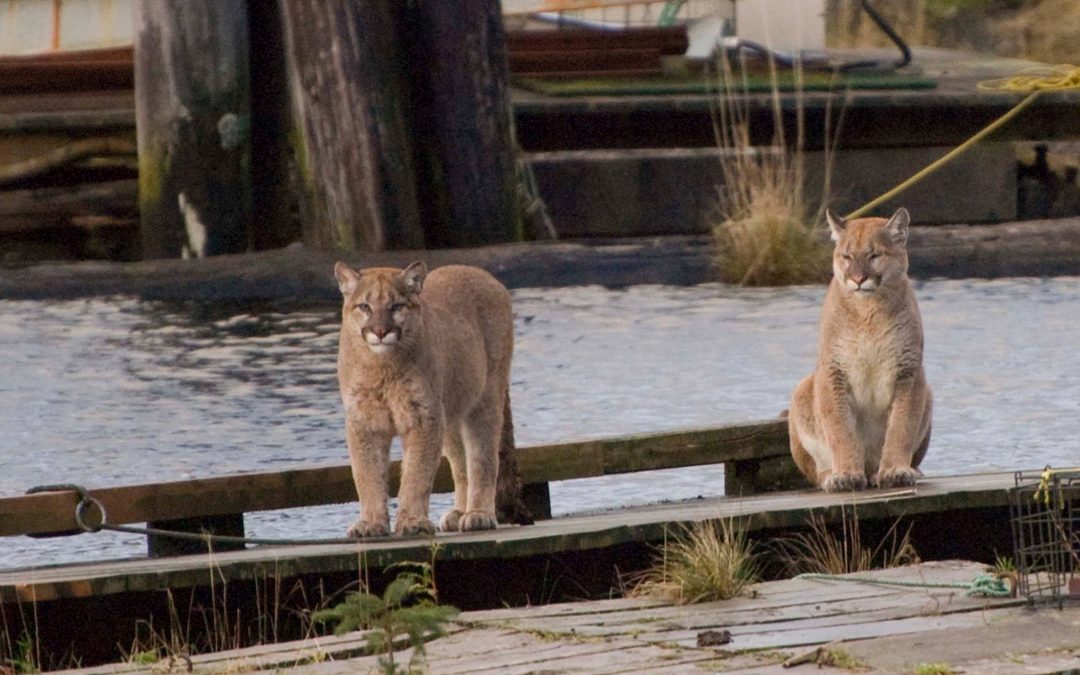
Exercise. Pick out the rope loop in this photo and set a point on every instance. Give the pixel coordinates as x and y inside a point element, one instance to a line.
<point>85,501</point>
<point>60,487</point>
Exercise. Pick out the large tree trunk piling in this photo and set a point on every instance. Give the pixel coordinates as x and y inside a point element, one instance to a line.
<point>462,121</point>
<point>350,102</point>
<point>193,117</point>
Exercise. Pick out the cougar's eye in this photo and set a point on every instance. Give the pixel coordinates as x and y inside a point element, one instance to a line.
<point>846,256</point>
<point>875,255</point>
<point>364,307</point>
<point>396,307</point>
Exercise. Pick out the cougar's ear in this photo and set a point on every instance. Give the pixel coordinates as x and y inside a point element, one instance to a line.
<point>836,224</point>
<point>346,278</point>
<point>413,277</point>
<point>897,227</point>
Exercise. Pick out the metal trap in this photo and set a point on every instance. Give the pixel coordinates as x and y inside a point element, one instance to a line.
<point>1045,513</point>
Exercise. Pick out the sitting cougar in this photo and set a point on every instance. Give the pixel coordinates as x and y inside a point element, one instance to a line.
<point>427,357</point>
<point>863,416</point>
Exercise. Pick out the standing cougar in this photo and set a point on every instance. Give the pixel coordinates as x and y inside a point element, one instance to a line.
<point>434,368</point>
<point>863,415</point>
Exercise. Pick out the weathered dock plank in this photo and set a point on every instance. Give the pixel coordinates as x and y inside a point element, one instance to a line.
<point>965,634</point>
<point>643,525</point>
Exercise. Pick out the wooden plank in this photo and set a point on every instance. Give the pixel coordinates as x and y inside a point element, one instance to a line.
<point>576,533</point>
<point>511,7</point>
<point>984,637</point>
<point>243,493</point>
<point>668,40</point>
<point>576,61</point>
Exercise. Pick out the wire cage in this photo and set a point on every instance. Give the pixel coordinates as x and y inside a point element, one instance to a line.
<point>1044,510</point>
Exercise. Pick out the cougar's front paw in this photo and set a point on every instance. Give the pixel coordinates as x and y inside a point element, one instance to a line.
<point>408,526</point>
<point>848,481</point>
<point>897,476</point>
<point>365,529</point>
<point>478,520</point>
<point>450,521</point>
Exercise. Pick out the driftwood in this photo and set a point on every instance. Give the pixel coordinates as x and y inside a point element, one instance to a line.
<point>68,154</point>
<point>110,202</point>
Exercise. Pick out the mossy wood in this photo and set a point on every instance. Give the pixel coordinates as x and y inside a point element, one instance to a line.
<point>351,140</point>
<point>53,512</point>
<point>193,114</point>
<point>462,122</point>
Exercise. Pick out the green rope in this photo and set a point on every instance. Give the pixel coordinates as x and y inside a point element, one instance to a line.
<point>985,585</point>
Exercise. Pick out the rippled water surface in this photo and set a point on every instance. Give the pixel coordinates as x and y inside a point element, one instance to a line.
<point>117,391</point>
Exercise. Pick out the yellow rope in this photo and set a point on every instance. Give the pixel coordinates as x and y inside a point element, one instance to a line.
<point>1043,492</point>
<point>1032,80</point>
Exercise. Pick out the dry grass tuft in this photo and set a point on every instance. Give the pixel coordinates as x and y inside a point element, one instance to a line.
<point>766,235</point>
<point>822,550</point>
<point>713,560</point>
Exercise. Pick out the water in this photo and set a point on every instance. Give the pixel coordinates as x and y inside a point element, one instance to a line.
<point>118,391</point>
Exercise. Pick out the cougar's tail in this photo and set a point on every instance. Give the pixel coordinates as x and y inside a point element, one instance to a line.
<point>509,506</point>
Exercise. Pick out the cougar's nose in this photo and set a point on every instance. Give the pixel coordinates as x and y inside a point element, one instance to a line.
<point>859,280</point>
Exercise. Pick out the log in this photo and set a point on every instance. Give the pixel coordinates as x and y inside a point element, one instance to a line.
<point>39,209</point>
<point>192,119</point>
<point>68,154</point>
<point>352,148</point>
<point>462,123</point>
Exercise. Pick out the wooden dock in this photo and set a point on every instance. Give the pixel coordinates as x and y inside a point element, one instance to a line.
<point>557,559</point>
<point>800,624</point>
<point>953,497</point>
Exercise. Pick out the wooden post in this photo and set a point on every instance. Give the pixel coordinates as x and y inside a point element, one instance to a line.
<point>192,115</point>
<point>462,121</point>
<point>350,101</point>
<point>277,224</point>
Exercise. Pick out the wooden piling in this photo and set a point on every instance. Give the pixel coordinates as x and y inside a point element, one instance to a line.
<point>349,98</point>
<point>192,120</point>
<point>462,121</point>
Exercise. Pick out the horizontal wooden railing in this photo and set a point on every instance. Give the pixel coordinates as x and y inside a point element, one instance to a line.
<point>755,457</point>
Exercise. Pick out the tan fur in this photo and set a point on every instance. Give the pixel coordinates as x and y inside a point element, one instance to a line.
<point>863,416</point>
<point>426,357</point>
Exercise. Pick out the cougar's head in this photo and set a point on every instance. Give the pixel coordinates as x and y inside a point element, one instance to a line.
<point>870,253</point>
<point>381,304</point>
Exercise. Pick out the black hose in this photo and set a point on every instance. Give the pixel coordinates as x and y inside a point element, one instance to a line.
<point>905,52</point>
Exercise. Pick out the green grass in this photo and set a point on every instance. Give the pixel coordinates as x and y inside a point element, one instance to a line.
<point>934,669</point>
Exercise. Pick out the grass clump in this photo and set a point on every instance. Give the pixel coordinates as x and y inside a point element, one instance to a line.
<point>766,235</point>
<point>934,669</point>
<point>824,550</point>
<point>408,607</point>
<point>763,239</point>
<point>712,560</point>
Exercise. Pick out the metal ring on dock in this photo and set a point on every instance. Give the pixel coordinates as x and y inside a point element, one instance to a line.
<point>81,508</point>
